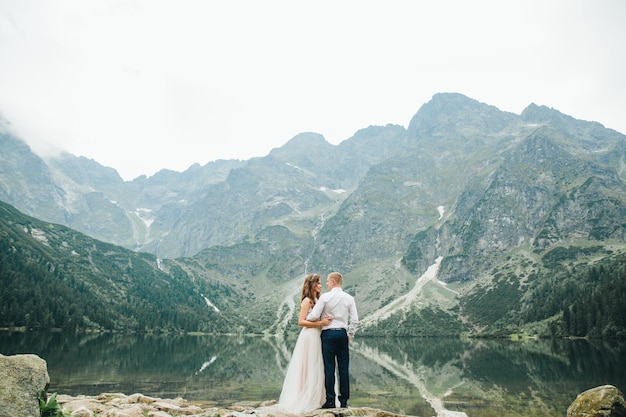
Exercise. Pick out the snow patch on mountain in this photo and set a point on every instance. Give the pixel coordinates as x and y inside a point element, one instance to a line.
<point>145,215</point>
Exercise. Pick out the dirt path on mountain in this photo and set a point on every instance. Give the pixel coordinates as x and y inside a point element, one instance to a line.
<point>405,300</point>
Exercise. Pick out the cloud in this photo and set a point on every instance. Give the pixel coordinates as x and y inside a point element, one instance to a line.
<point>150,84</point>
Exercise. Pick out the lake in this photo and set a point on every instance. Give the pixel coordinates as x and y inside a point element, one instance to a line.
<point>413,376</point>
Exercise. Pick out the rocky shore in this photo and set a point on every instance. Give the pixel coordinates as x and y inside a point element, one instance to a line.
<point>603,401</point>
<point>138,405</point>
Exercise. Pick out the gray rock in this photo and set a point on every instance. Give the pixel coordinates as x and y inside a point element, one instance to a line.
<point>603,401</point>
<point>82,412</point>
<point>22,376</point>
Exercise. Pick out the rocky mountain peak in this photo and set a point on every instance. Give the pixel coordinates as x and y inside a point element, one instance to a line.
<point>446,113</point>
<point>543,115</point>
<point>302,143</point>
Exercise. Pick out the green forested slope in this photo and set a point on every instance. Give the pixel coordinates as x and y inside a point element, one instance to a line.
<point>54,277</point>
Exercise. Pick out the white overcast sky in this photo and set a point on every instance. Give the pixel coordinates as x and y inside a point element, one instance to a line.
<point>142,85</point>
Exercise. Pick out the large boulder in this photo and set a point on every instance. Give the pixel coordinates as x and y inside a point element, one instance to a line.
<point>22,377</point>
<point>604,401</point>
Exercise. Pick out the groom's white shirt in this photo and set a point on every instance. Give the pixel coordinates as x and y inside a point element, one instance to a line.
<point>341,307</point>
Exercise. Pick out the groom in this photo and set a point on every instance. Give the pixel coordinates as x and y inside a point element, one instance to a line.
<point>335,337</point>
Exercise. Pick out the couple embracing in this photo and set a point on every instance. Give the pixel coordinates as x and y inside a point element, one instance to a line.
<point>329,322</point>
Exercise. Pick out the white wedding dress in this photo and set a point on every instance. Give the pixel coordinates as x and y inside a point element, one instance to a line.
<point>303,388</point>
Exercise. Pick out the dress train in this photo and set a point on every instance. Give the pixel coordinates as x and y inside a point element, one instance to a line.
<point>303,387</point>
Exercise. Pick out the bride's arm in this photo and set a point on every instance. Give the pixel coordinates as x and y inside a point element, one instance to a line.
<point>305,306</point>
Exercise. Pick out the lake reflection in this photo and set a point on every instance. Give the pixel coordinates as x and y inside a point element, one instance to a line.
<point>413,376</point>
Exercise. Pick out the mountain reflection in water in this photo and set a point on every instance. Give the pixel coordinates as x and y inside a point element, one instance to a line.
<point>414,376</point>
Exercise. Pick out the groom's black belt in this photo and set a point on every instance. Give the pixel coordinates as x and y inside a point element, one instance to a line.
<point>332,330</point>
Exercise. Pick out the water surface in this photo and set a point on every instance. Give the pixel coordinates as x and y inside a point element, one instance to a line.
<point>412,376</point>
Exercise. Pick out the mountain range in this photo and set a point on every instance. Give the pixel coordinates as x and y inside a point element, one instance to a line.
<point>460,223</point>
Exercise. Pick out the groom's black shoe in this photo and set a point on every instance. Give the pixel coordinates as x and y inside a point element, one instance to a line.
<point>344,405</point>
<point>329,404</point>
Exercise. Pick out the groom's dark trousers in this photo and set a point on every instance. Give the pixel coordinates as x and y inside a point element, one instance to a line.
<point>335,346</point>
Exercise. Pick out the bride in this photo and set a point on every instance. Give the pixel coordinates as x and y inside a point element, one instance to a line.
<point>303,387</point>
